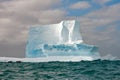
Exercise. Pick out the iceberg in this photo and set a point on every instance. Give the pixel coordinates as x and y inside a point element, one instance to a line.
<point>56,42</point>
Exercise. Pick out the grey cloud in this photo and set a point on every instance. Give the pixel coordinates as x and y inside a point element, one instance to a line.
<point>15,18</point>
<point>107,39</point>
<point>107,12</point>
<point>17,15</point>
<point>12,50</point>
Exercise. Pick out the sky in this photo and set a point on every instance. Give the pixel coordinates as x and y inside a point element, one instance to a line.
<point>99,22</point>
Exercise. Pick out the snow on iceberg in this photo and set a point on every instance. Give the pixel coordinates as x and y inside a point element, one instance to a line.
<point>57,42</point>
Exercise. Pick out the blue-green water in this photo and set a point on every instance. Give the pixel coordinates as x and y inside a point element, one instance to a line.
<point>84,70</point>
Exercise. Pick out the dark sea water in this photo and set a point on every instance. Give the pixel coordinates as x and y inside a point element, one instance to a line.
<point>84,70</point>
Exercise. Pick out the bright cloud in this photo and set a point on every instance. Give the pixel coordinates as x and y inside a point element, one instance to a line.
<point>80,5</point>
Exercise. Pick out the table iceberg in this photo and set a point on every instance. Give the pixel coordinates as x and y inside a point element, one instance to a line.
<point>56,42</point>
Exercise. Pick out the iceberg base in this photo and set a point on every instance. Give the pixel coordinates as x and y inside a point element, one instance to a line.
<point>49,59</point>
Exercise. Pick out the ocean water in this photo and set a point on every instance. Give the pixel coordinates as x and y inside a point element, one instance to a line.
<point>83,70</point>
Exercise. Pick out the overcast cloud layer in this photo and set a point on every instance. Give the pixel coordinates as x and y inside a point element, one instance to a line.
<point>99,26</point>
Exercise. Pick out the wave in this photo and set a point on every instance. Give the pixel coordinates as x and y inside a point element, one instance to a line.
<point>58,58</point>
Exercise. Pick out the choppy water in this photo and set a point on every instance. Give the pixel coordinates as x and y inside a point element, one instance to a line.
<point>84,70</point>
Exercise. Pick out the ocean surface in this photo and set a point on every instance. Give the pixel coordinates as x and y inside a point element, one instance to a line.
<point>83,70</point>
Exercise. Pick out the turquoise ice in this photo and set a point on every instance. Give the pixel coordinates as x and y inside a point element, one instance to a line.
<point>62,39</point>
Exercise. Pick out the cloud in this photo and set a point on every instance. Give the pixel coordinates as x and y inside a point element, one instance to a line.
<point>111,12</point>
<point>99,28</point>
<point>51,16</point>
<point>80,5</point>
<point>17,15</point>
<point>31,5</point>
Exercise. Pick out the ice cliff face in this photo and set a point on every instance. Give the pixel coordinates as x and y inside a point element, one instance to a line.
<point>62,39</point>
<point>63,32</point>
<point>70,32</point>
